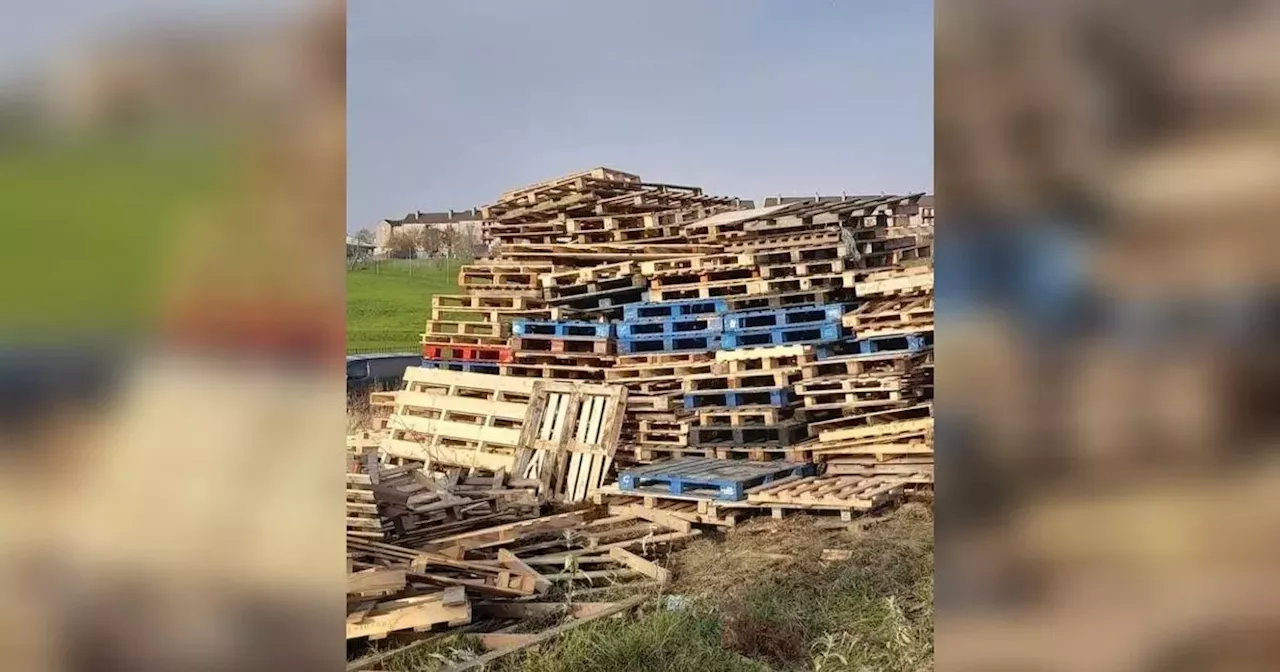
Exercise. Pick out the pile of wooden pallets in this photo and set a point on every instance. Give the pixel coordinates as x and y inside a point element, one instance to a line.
<point>503,583</point>
<point>799,331</point>
<point>665,359</point>
<point>449,552</point>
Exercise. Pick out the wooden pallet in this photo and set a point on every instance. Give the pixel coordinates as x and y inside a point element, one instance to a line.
<point>807,269</point>
<point>670,509</point>
<point>563,434</point>
<point>773,358</point>
<point>362,508</point>
<point>914,418</point>
<point>906,281</point>
<point>911,442</point>
<point>891,258</point>
<point>662,359</point>
<point>815,249</point>
<point>746,415</point>
<point>551,372</point>
<point>658,372</point>
<point>463,333</point>
<point>891,316</point>
<point>472,385</point>
<point>742,379</point>
<point>705,290</point>
<point>655,403</point>
<point>695,264</point>
<point>804,283</point>
<point>592,274</point>
<point>413,614</point>
<point>498,276</point>
<point>880,363</point>
<point>786,299</point>
<point>578,254</point>
<point>804,240</point>
<point>457,431</point>
<point>676,279</point>
<point>714,479</point>
<point>565,345</point>
<point>855,392</point>
<point>485,302</point>
<point>589,360</point>
<point>854,493</point>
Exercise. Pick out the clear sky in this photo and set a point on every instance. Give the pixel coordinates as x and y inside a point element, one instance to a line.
<point>451,102</point>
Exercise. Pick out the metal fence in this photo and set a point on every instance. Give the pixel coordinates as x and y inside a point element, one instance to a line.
<point>425,267</point>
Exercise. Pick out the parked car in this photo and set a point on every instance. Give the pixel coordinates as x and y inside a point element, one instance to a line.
<point>377,372</point>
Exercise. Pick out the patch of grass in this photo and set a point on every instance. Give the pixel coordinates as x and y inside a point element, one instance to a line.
<point>435,655</point>
<point>659,641</point>
<point>873,611</point>
<point>388,304</point>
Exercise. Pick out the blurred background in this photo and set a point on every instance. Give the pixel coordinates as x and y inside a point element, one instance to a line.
<point>171,190</point>
<point>1108,494</point>
<point>171,323</point>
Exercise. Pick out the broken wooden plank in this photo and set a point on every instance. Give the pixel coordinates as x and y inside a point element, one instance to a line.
<point>639,564</point>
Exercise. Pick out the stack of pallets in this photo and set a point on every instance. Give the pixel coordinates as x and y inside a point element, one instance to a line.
<point>799,331</point>
<point>564,349</point>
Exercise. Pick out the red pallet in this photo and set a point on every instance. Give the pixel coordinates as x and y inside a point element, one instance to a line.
<point>468,353</point>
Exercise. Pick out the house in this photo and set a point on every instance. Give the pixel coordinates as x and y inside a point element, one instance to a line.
<point>357,249</point>
<point>466,222</point>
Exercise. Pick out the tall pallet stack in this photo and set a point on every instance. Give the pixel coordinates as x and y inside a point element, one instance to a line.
<point>800,331</point>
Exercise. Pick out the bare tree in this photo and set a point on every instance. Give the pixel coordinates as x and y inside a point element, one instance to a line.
<point>450,241</point>
<point>401,246</point>
<point>431,241</point>
<point>365,236</point>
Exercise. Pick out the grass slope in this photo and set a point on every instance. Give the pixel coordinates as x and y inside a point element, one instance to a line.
<point>387,307</point>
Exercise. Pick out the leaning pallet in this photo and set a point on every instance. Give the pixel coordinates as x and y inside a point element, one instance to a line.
<point>562,434</point>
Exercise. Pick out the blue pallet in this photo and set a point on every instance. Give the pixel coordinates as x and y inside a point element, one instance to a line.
<point>668,326</point>
<point>895,343</point>
<point>818,332</point>
<point>685,308</point>
<point>764,396</point>
<point>725,480</point>
<point>460,365</point>
<point>562,328</point>
<point>784,317</point>
<point>698,342</point>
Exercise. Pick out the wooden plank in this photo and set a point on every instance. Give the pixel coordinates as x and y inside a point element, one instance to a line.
<point>459,457</point>
<point>375,581</point>
<point>546,635</point>
<point>413,613</point>
<point>655,516</point>
<point>639,564</point>
<point>507,437</point>
<point>510,532</point>
<point>483,381</point>
<point>506,410</point>
<point>508,559</point>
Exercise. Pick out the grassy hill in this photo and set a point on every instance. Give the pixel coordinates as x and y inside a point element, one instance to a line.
<point>388,303</point>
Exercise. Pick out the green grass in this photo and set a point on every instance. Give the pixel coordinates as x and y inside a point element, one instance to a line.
<point>388,305</point>
<point>87,225</point>
<point>873,611</point>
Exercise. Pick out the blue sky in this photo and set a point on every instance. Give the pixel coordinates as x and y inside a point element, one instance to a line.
<point>451,102</point>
